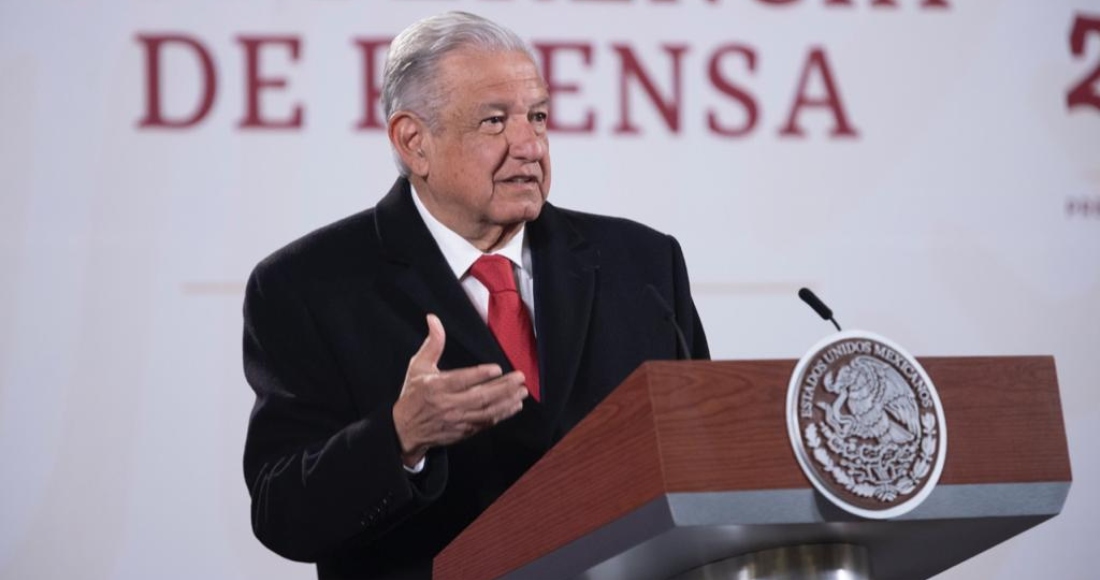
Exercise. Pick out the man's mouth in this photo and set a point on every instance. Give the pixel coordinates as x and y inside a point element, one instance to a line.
<point>521,179</point>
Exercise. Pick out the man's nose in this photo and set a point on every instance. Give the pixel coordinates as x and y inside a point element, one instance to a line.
<point>526,141</point>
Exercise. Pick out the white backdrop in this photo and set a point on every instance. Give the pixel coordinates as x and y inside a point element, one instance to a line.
<point>962,218</point>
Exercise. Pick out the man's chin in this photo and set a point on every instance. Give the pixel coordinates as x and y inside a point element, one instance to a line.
<point>532,211</point>
<point>526,214</point>
<point>522,208</point>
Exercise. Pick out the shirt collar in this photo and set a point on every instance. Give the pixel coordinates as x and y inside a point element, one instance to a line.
<point>459,253</point>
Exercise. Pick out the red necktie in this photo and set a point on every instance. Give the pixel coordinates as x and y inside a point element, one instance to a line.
<point>508,317</point>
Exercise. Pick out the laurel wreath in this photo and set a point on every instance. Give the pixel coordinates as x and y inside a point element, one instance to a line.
<point>852,470</point>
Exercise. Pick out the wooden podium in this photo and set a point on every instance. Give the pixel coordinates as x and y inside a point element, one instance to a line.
<point>689,462</point>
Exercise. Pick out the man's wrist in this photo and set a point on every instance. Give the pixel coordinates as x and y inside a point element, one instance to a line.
<point>411,456</point>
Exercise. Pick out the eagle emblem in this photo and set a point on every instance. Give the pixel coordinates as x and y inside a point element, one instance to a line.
<point>873,402</point>
<point>866,425</point>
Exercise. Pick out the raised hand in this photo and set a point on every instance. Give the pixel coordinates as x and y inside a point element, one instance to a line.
<point>438,408</point>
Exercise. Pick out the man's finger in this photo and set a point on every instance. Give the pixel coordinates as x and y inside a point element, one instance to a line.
<point>427,358</point>
<point>509,387</point>
<point>463,379</point>
<point>493,402</point>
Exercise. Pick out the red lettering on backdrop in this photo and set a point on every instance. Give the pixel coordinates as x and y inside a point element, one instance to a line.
<point>831,100</point>
<point>154,113</point>
<point>633,74</point>
<point>631,68</point>
<point>1086,93</point>
<point>254,83</point>
<point>547,51</point>
<point>372,82</point>
<point>727,88</point>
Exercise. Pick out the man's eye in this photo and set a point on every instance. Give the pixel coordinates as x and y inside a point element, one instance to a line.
<point>493,121</point>
<point>539,117</point>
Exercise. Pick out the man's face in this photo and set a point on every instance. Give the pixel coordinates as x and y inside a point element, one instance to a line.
<point>488,162</point>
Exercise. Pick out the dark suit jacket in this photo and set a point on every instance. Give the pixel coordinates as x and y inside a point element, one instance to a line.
<point>330,323</point>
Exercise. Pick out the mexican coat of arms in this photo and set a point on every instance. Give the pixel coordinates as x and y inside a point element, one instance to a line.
<point>866,425</point>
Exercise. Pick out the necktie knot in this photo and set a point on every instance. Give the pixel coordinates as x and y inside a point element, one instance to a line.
<point>495,272</point>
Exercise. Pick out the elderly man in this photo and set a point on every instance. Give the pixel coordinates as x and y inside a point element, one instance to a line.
<point>411,361</point>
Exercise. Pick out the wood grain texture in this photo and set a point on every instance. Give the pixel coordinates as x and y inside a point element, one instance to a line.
<point>603,469</point>
<point>1004,422</point>
<point>1004,419</point>
<point>721,426</point>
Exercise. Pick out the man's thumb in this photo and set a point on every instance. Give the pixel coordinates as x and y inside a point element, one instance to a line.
<point>427,357</point>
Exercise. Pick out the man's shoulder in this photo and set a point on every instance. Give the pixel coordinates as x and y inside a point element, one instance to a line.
<point>330,247</point>
<point>605,229</point>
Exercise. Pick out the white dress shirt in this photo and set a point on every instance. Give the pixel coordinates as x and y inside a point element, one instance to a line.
<point>461,254</point>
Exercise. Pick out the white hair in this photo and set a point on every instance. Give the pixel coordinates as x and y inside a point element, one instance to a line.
<point>411,80</point>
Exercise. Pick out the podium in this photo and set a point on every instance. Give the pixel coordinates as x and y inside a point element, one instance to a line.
<point>689,462</point>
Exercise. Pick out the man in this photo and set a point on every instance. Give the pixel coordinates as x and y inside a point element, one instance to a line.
<point>393,401</point>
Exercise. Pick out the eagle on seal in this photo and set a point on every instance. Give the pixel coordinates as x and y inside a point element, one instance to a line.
<point>873,401</point>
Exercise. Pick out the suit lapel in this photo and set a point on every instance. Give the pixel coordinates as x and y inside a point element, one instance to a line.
<point>565,273</point>
<point>422,274</point>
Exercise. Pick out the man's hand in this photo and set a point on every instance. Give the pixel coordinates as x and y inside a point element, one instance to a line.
<point>441,407</point>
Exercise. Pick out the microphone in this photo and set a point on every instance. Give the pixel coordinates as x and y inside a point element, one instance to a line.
<point>819,307</point>
<point>670,316</point>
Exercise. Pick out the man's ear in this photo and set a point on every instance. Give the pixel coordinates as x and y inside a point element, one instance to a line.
<point>408,134</point>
